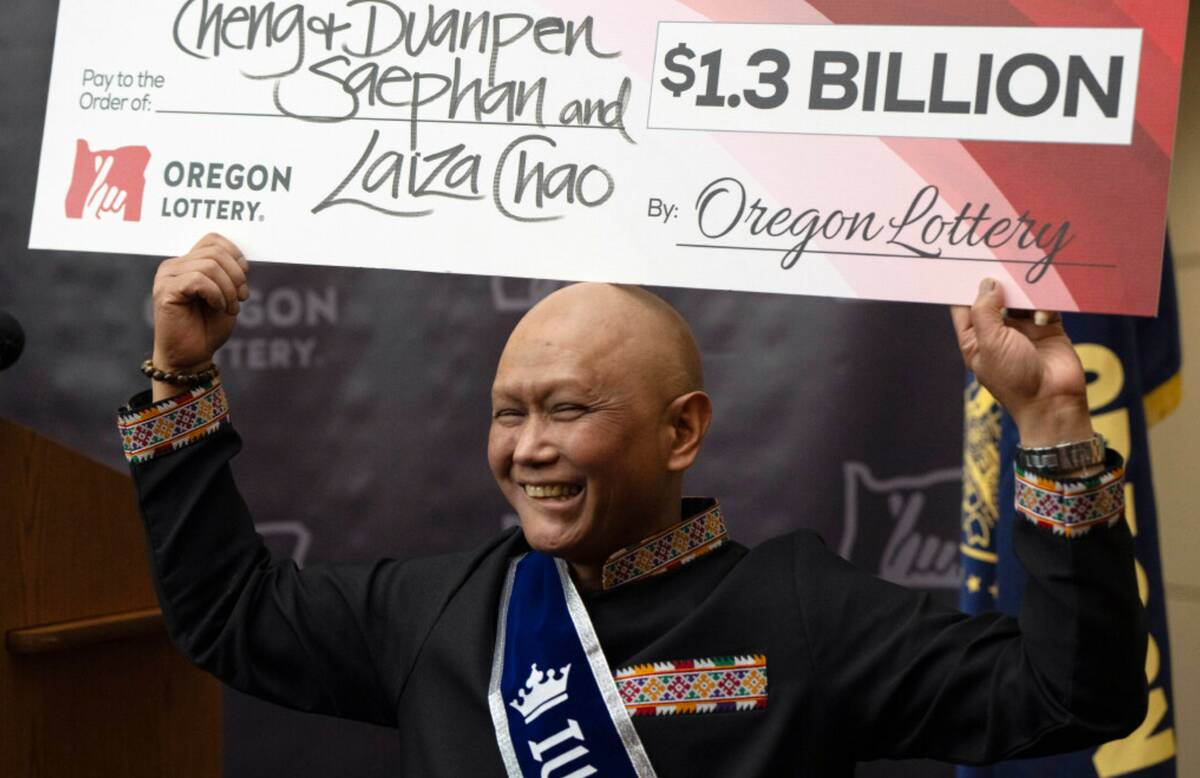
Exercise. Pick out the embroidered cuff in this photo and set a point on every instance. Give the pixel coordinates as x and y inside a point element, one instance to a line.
<point>171,424</point>
<point>1073,507</point>
<point>694,686</point>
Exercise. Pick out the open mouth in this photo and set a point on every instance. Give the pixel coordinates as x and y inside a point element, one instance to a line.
<point>552,492</point>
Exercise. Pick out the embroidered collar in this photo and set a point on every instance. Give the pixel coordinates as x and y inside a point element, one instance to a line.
<point>702,532</point>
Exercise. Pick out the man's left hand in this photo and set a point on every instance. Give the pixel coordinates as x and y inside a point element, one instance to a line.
<point>1028,364</point>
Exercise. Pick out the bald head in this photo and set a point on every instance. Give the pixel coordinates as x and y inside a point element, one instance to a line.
<point>621,330</point>
<point>597,412</point>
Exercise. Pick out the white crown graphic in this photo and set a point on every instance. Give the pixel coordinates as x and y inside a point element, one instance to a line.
<point>542,692</point>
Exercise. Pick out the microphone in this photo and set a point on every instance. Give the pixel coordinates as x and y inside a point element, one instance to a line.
<point>12,340</point>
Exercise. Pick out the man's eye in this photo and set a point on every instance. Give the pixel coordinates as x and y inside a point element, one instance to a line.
<point>507,413</point>
<point>567,411</point>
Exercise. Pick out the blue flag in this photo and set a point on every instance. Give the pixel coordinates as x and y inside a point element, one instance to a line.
<point>1133,382</point>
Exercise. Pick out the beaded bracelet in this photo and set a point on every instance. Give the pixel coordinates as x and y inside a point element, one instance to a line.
<point>180,379</point>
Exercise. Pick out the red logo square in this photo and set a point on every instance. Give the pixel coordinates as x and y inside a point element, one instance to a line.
<point>107,184</point>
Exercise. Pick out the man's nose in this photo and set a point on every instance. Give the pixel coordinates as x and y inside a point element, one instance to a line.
<point>534,446</point>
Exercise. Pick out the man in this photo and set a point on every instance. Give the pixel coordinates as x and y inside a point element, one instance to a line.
<point>620,631</point>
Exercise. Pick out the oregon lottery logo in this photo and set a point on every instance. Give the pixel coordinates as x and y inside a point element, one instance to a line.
<point>107,184</point>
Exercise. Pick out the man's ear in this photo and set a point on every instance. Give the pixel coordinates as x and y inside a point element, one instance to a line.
<point>688,416</point>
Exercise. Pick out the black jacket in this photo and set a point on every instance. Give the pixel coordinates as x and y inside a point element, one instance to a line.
<point>858,668</point>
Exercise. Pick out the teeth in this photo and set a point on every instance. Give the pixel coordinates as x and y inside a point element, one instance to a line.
<point>552,490</point>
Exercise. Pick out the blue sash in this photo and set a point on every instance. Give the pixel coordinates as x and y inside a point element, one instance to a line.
<point>554,704</point>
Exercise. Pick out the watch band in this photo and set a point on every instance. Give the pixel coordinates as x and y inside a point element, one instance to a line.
<point>1063,458</point>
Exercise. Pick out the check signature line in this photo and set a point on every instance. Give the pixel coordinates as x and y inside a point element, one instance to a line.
<point>253,115</point>
<point>1001,260</point>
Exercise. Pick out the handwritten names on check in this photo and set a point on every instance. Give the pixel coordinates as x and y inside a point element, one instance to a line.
<point>429,69</point>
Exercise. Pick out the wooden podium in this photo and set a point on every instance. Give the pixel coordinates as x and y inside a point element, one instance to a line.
<point>89,683</point>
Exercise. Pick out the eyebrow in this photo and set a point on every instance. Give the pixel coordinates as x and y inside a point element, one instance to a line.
<point>545,390</point>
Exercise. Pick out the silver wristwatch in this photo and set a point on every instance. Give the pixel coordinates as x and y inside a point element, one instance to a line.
<point>1063,458</point>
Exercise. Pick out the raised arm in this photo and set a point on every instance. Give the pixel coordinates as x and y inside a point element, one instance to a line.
<point>331,639</point>
<point>914,679</point>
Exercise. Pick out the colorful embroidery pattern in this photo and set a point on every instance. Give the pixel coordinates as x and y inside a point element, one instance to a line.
<point>1072,508</point>
<point>174,423</point>
<point>668,549</point>
<point>694,686</point>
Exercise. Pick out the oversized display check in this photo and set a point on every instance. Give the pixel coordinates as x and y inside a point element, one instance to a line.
<point>854,148</point>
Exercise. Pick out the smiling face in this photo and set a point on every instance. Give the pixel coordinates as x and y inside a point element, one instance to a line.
<point>584,440</point>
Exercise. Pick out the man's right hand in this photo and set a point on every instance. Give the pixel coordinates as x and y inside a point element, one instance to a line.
<point>196,302</point>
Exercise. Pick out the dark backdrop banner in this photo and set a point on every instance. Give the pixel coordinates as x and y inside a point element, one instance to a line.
<point>363,397</point>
